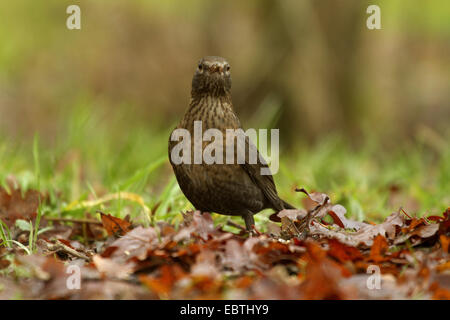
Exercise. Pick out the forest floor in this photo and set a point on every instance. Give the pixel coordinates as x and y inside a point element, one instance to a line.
<point>99,215</point>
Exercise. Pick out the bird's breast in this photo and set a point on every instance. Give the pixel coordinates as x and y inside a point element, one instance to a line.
<point>212,112</point>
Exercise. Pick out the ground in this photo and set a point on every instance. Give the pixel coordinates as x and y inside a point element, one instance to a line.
<point>108,203</point>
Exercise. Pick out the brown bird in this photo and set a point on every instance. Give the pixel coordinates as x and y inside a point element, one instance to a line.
<point>229,189</point>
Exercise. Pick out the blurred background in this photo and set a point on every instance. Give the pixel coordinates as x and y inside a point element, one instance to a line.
<point>359,110</point>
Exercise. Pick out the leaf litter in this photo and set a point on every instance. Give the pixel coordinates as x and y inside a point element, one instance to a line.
<point>302,256</point>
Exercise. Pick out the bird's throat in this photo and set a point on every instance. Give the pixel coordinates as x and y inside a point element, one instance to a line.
<point>214,112</point>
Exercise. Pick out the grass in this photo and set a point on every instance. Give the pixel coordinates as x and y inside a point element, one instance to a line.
<point>120,166</point>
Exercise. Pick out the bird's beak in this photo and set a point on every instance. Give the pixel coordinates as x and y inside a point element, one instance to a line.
<point>216,68</point>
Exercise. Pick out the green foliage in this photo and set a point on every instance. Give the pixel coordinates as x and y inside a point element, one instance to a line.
<point>5,234</point>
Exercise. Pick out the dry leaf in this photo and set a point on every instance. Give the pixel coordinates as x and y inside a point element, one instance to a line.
<point>115,226</point>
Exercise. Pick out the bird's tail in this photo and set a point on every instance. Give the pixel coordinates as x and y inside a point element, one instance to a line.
<point>287,205</point>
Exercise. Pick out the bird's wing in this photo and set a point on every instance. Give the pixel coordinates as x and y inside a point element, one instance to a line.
<point>264,182</point>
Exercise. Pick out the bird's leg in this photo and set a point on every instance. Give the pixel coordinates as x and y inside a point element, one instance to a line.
<point>249,220</point>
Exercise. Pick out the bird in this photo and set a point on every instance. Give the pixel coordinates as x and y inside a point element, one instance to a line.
<point>236,189</point>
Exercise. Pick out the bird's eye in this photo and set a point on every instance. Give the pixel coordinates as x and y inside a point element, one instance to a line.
<point>200,67</point>
<point>227,68</point>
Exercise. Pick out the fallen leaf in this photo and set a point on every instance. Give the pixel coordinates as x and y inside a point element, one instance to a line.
<point>379,247</point>
<point>424,231</point>
<point>445,241</point>
<point>364,235</point>
<point>15,206</point>
<point>196,223</point>
<point>162,284</point>
<point>205,265</point>
<point>343,252</point>
<point>236,256</point>
<point>292,214</point>
<point>322,277</point>
<point>115,226</point>
<point>339,214</point>
<point>439,293</point>
<point>135,244</point>
<point>112,269</point>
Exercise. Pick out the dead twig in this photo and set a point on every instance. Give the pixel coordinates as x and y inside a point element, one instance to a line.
<point>232,224</point>
<point>58,246</point>
<point>83,221</point>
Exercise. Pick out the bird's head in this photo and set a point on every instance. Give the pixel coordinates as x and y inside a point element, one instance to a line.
<point>212,77</point>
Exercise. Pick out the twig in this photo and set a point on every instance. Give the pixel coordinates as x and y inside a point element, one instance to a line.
<point>89,221</point>
<point>232,224</point>
<point>59,246</point>
<point>401,209</point>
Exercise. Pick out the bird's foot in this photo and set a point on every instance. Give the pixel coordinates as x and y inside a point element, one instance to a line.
<point>254,231</point>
